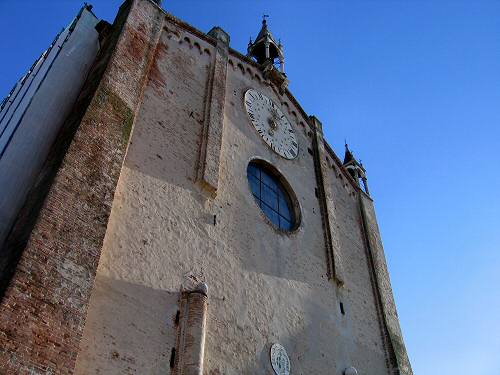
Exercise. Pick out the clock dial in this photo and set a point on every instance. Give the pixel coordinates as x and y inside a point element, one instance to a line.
<point>271,124</point>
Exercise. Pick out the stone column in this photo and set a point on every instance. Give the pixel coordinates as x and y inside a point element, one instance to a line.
<point>267,45</point>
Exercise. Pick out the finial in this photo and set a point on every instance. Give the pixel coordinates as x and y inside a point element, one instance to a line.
<point>264,21</point>
<point>347,149</point>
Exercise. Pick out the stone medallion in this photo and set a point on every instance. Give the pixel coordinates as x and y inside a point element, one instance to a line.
<point>280,360</point>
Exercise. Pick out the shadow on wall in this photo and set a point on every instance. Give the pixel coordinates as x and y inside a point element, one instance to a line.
<point>309,344</point>
<point>130,328</point>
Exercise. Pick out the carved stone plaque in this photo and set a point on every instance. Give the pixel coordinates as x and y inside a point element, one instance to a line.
<point>280,360</point>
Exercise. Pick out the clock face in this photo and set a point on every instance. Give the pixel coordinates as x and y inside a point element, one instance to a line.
<point>271,124</point>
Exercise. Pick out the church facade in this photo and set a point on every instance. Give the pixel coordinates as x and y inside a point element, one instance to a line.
<point>191,219</point>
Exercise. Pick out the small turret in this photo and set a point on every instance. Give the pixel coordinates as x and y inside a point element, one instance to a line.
<point>269,54</point>
<point>265,49</point>
<point>355,169</point>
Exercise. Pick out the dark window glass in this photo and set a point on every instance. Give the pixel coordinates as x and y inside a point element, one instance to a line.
<point>269,180</point>
<point>253,170</point>
<point>254,184</point>
<point>271,196</point>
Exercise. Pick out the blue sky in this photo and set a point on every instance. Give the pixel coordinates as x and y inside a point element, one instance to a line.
<point>414,86</point>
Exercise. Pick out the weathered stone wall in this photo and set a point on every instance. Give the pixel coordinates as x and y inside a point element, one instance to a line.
<point>43,310</point>
<point>166,233</point>
<point>359,294</point>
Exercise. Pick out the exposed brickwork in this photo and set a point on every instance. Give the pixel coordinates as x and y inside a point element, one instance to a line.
<point>191,333</point>
<point>42,313</point>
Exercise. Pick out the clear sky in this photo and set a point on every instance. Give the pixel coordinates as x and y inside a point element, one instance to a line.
<point>414,86</point>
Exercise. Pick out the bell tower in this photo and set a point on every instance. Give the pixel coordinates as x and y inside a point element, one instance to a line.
<point>269,54</point>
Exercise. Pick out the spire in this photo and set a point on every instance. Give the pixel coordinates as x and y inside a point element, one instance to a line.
<point>348,156</point>
<point>264,32</point>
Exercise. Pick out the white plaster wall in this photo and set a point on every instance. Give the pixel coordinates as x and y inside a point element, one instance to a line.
<point>30,121</point>
<point>264,286</point>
